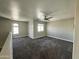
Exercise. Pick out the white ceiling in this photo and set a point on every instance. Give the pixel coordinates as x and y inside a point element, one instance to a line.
<point>24,10</point>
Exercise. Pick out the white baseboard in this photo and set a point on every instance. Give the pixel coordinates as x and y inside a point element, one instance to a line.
<point>36,37</point>
<point>60,38</point>
<point>19,36</point>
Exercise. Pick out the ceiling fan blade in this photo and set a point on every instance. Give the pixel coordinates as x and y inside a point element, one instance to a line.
<point>50,17</point>
<point>48,13</point>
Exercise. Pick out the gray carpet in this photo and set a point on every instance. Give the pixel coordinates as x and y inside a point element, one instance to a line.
<point>42,48</point>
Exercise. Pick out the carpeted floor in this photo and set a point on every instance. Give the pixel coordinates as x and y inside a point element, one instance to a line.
<point>42,48</point>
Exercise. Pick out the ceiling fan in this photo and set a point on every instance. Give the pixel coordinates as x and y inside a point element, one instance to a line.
<point>47,18</point>
<point>47,15</point>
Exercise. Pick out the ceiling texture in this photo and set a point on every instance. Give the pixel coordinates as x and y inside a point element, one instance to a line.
<point>24,10</point>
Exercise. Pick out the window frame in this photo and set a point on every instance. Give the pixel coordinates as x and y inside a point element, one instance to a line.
<point>15,28</point>
<point>40,27</point>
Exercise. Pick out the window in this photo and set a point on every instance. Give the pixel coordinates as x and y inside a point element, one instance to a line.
<point>40,27</point>
<point>15,28</point>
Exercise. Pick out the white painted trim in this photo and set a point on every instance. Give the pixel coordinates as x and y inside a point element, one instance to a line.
<point>31,37</point>
<point>60,38</point>
<point>19,36</point>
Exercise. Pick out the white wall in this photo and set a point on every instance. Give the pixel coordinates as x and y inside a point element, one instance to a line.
<point>5,27</point>
<point>6,52</point>
<point>61,29</point>
<point>39,34</point>
<point>31,29</point>
<point>76,31</point>
<point>23,29</point>
<point>33,33</point>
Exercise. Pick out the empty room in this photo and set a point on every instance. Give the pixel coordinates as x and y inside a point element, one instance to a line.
<point>37,29</point>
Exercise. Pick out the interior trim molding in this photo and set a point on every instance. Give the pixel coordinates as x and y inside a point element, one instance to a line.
<point>60,38</point>
<point>19,36</point>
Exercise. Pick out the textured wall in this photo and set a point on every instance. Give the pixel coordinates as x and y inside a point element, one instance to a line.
<point>62,29</point>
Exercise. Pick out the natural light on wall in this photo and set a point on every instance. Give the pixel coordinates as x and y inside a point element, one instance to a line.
<point>40,27</point>
<point>15,28</point>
